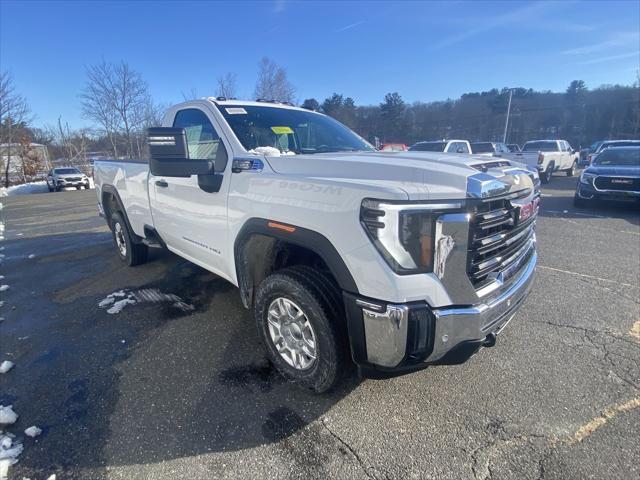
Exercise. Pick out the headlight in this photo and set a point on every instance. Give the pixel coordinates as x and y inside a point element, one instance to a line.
<point>587,178</point>
<point>403,233</point>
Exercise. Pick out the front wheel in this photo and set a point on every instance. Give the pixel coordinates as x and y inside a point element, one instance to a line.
<point>297,320</point>
<point>545,177</point>
<point>571,171</point>
<point>130,252</point>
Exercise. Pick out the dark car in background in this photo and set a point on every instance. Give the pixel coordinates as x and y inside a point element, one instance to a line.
<point>602,145</point>
<point>614,175</point>
<point>586,152</point>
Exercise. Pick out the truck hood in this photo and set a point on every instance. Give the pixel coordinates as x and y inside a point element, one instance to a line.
<point>421,175</point>
<point>614,170</point>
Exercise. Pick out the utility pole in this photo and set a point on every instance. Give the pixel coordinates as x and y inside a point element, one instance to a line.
<point>506,123</point>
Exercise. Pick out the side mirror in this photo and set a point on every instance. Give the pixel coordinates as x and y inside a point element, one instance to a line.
<point>170,155</point>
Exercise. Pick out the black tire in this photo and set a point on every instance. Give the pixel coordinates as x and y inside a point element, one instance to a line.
<point>545,177</point>
<point>78,187</point>
<point>57,189</point>
<point>572,171</point>
<point>133,253</point>
<point>50,187</point>
<point>86,186</point>
<point>319,299</point>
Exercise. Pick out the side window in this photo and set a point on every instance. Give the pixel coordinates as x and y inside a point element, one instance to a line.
<point>463,147</point>
<point>202,139</point>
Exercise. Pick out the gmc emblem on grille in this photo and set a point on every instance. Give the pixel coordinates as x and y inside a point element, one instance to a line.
<point>623,181</point>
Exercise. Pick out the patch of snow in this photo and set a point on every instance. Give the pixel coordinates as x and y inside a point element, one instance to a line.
<point>9,453</point>
<point>145,295</point>
<point>119,305</point>
<point>6,366</point>
<point>33,431</point>
<point>24,189</point>
<point>269,152</point>
<point>7,415</point>
<point>32,255</point>
<point>4,288</point>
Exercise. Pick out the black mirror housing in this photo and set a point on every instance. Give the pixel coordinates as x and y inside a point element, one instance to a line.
<point>167,142</point>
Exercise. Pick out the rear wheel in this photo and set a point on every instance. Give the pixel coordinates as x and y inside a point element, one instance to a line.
<point>545,177</point>
<point>130,252</point>
<point>571,171</point>
<point>298,321</point>
<point>78,187</point>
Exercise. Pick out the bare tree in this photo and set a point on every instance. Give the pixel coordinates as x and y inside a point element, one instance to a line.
<point>273,83</point>
<point>114,97</point>
<point>14,118</point>
<point>227,85</point>
<point>190,95</point>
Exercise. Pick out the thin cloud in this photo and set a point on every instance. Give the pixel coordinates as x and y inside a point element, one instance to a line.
<point>618,40</point>
<point>524,14</point>
<point>611,58</point>
<point>348,27</point>
<point>278,6</point>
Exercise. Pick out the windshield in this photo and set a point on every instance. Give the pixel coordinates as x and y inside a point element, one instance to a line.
<point>630,143</point>
<point>619,156</point>
<point>66,171</point>
<point>513,148</point>
<point>290,131</point>
<point>428,147</point>
<point>482,147</point>
<point>540,147</point>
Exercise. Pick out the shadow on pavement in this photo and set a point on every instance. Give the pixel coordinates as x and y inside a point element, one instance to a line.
<point>151,383</point>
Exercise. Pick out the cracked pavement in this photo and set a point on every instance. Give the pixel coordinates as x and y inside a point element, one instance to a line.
<point>154,392</point>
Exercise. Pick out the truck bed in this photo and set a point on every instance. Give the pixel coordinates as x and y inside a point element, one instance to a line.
<point>130,179</point>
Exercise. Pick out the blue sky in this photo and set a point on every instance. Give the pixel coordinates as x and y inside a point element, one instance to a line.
<point>424,50</point>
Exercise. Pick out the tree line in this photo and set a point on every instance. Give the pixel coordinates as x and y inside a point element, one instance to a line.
<point>117,102</point>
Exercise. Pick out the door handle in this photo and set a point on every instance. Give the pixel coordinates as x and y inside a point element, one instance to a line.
<point>161,183</point>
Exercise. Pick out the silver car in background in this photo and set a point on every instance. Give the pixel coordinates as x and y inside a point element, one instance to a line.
<point>59,178</point>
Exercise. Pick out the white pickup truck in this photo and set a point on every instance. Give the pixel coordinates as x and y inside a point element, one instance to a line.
<point>392,261</point>
<point>547,156</point>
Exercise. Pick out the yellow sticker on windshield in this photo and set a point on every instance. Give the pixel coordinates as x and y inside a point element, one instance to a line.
<point>281,130</point>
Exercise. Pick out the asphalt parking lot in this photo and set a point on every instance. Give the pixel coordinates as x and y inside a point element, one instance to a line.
<point>157,391</point>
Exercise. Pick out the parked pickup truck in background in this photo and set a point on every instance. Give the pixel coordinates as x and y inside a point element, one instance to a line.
<point>547,156</point>
<point>345,255</point>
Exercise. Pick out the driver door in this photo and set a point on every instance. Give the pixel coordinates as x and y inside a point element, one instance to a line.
<point>191,221</point>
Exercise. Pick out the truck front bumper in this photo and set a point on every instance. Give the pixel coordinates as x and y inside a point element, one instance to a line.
<point>393,339</point>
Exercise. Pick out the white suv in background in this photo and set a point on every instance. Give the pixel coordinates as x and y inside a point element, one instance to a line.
<point>59,178</point>
<point>445,146</point>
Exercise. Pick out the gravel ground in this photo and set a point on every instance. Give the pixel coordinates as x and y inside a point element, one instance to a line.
<point>162,392</point>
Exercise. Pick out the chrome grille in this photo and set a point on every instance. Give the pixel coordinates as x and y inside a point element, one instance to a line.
<point>498,243</point>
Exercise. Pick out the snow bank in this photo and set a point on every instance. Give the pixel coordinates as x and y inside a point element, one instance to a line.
<point>117,301</point>
<point>269,152</point>
<point>6,366</point>
<point>24,189</point>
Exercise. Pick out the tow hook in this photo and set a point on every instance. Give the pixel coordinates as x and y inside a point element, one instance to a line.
<point>490,340</point>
